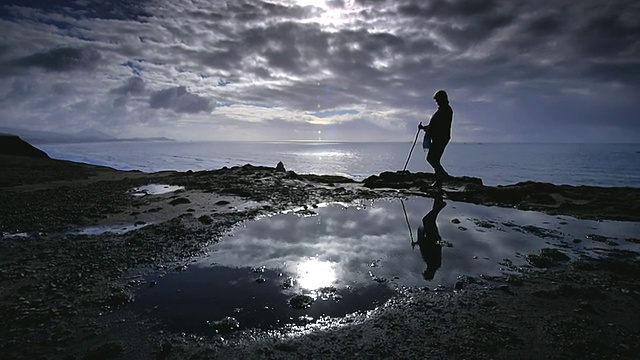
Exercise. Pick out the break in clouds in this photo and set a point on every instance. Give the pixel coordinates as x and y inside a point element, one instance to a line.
<point>360,70</point>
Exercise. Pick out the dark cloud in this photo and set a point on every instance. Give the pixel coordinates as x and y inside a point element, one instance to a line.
<point>180,100</point>
<point>20,91</point>
<point>60,59</point>
<point>462,23</point>
<point>97,9</point>
<point>610,34</point>
<point>133,86</point>
<point>447,8</point>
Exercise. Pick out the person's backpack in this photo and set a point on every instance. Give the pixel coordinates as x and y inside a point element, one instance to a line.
<point>426,141</point>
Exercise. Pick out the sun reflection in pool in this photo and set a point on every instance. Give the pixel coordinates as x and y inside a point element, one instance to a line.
<point>314,274</point>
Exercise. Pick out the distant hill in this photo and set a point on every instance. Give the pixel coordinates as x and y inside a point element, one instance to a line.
<point>87,135</point>
<point>94,134</point>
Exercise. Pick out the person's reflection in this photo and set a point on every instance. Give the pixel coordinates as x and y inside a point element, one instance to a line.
<point>429,240</point>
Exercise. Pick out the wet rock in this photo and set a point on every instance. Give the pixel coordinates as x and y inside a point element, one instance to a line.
<point>597,238</point>
<point>119,297</point>
<point>377,278</point>
<point>513,280</point>
<point>465,279</point>
<point>301,301</point>
<point>327,293</point>
<point>541,232</point>
<point>179,201</point>
<point>288,283</point>
<point>110,350</point>
<point>222,202</point>
<point>547,258</point>
<point>305,319</point>
<point>206,219</point>
<point>259,269</point>
<point>327,179</point>
<point>225,325</point>
<point>571,291</point>
<point>583,305</point>
<point>455,221</point>
<point>180,268</point>
<point>539,261</point>
<point>280,167</point>
<point>484,224</point>
<point>505,289</point>
<point>542,199</point>
<point>554,254</point>
<point>165,350</point>
<point>285,347</point>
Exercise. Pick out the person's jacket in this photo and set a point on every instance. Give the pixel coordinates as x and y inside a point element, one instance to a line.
<point>440,124</point>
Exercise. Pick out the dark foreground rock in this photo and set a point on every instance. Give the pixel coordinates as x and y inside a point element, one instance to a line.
<point>62,293</point>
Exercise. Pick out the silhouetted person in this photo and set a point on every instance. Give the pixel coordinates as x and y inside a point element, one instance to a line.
<point>439,130</point>
<point>429,240</point>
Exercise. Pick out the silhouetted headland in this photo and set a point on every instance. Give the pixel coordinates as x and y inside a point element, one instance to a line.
<point>14,146</point>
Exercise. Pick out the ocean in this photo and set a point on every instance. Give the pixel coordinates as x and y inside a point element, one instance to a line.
<point>615,165</point>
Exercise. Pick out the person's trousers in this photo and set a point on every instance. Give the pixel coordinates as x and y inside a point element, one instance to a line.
<point>436,149</point>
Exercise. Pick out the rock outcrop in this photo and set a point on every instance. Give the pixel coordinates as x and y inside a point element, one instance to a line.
<point>15,146</point>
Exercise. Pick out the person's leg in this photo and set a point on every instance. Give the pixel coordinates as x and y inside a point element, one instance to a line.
<point>433,158</point>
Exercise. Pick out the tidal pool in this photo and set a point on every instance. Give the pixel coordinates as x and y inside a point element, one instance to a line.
<point>348,258</point>
<point>156,189</point>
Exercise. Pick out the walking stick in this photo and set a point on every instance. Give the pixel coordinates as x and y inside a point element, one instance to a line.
<point>407,220</point>
<point>411,151</point>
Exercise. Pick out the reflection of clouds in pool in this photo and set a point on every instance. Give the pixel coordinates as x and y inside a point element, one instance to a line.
<point>351,238</point>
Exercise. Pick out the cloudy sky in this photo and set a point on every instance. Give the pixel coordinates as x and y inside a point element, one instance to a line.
<point>355,70</point>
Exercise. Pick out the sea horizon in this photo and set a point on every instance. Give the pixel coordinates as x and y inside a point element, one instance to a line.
<point>496,163</point>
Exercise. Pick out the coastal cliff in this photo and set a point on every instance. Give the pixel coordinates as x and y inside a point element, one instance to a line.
<point>14,146</point>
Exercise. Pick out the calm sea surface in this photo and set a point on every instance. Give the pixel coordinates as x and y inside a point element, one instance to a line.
<point>495,163</point>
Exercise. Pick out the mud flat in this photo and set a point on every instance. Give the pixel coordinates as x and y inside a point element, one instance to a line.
<point>93,262</point>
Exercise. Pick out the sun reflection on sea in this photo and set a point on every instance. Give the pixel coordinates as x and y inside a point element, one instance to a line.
<point>314,274</point>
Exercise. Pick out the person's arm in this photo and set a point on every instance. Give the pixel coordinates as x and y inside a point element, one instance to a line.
<point>434,122</point>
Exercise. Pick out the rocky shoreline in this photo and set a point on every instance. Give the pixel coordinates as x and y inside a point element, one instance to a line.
<point>64,293</point>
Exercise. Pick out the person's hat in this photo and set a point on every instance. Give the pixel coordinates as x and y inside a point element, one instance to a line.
<point>441,95</point>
